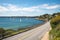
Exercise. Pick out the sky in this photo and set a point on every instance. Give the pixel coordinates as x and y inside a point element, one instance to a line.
<point>28,7</point>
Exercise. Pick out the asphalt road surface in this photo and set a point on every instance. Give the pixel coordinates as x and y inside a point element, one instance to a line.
<point>34,34</point>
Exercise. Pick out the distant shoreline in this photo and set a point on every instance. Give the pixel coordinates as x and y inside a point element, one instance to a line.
<point>22,16</point>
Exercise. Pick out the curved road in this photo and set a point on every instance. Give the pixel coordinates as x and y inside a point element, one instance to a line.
<point>34,34</point>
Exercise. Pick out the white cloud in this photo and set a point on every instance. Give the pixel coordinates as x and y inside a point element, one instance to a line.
<point>52,7</point>
<point>46,6</point>
<point>11,7</point>
<point>3,8</point>
<point>16,10</point>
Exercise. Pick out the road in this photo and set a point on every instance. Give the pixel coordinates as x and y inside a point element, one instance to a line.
<point>34,34</point>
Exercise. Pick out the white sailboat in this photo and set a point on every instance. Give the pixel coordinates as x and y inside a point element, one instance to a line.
<point>20,19</point>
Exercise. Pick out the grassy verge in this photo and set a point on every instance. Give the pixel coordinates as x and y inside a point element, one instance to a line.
<point>55,32</point>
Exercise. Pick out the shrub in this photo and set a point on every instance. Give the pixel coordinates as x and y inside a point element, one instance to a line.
<point>55,24</point>
<point>55,21</point>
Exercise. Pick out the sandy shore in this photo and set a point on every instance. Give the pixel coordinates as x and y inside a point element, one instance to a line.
<point>46,36</point>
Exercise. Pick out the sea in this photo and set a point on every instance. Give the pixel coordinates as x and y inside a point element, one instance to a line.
<point>18,22</point>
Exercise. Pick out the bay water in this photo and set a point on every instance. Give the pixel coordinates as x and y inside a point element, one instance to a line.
<point>18,22</point>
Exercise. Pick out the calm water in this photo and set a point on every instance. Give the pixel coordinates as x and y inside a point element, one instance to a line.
<point>15,23</point>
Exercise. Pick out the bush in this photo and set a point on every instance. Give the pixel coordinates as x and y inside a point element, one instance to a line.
<point>55,21</point>
<point>2,31</point>
<point>55,24</point>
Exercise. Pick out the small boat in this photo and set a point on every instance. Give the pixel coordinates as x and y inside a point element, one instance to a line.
<point>20,20</point>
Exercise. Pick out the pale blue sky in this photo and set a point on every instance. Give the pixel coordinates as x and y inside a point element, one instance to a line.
<point>28,7</point>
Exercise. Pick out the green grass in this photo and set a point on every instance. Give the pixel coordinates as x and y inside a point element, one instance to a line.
<point>55,32</point>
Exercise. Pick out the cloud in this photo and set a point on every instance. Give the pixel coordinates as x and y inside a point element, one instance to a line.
<point>10,9</point>
<point>3,8</point>
<point>46,6</point>
<point>38,8</point>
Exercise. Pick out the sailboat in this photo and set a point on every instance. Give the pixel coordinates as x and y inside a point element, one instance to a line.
<point>20,19</point>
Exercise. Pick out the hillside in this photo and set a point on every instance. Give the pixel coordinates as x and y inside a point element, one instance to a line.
<point>55,24</point>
